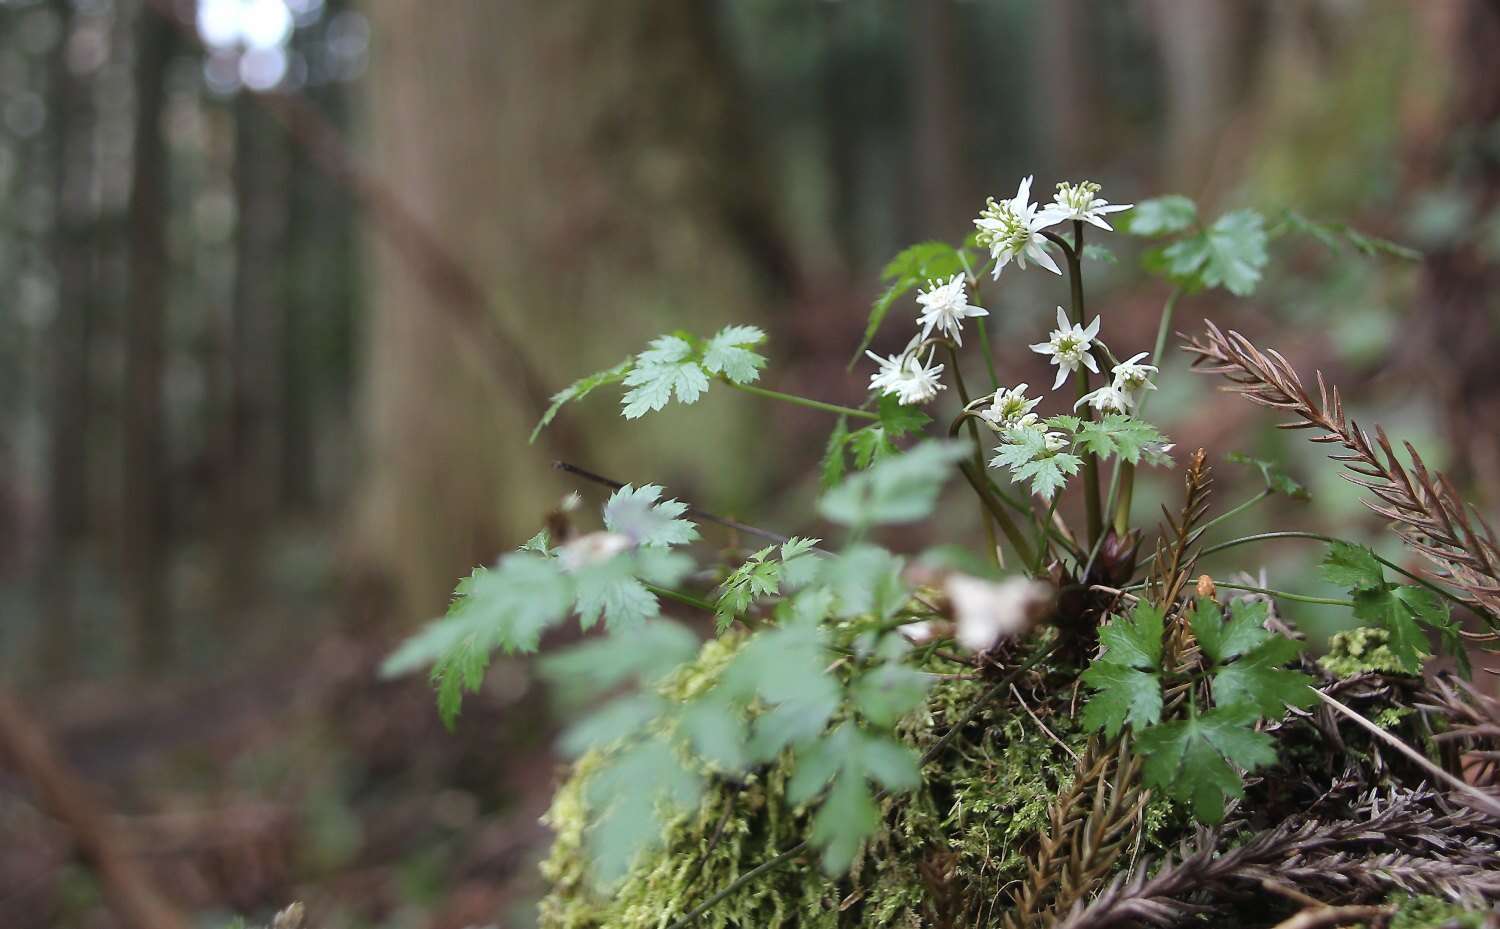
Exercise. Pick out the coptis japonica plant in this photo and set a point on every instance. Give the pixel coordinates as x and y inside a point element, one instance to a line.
<point>1021,735</point>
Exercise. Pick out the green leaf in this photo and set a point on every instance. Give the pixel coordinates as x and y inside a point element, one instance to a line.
<point>642,515</point>
<point>1335,235</point>
<point>849,757</point>
<point>1190,760</point>
<point>865,580</point>
<point>612,590</point>
<point>898,420</point>
<point>1024,453</point>
<point>834,465</point>
<point>727,353</point>
<point>901,489</point>
<point>635,793</point>
<point>912,267</point>
<point>1382,607</point>
<point>1118,434</point>
<point>846,818</point>
<point>1220,640</point>
<point>1160,216</point>
<point>579,389</point>
<point>666,369</point>
<point>1352,566</point>
<point>717,732</point>
<point>1092,252</point>
<point>870,445</point>
<point>1276,479</point>
<point>1259,680</point>
<point>645,655</point>
<point>761,577</point>
<point>889,692</point>
<point>1124,694</point>
<point>1134,641</point>
<point>1230,254</point>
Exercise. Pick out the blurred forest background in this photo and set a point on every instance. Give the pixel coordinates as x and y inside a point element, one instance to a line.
<point>285,283</point>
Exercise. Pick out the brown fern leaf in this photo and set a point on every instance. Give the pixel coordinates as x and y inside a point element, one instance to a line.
<point>1087,834</point>
<point>1473,727</point>
<point>1422,506</point>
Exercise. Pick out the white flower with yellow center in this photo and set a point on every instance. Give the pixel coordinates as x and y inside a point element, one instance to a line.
<point>1070,346</point>
<point>945,306</point>
<point>1009,408</point>
<point>1009,229</point>
<point>1082,202</point>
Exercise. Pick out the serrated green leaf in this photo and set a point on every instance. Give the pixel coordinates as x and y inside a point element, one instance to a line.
<point>898,420</point>
<point>1352,566</point>
<point>1160,216</point>
<point>717,731</point>
<point>1260,680</point>
<point>645,655</point>
<point>1335,235</point>
<point>1124,694</point>
<point>641,514</point>
<point>635,793</point>
<point>847,817</point>
<point>1276,479</point>
<point>728,353</point>
<point>1382,607</point>
<point>1048,475</point>
<point>1190,759</point>
<point>664,370</point>
<point>1134,641</point>
<point>1092,252</point>
<point>1220,640</point>
<point>869,445</point>
<point>580,389</point>
<point>864,580</point>
<point>848,758</point>
<point>1118,434</point>
<point>612,591</point>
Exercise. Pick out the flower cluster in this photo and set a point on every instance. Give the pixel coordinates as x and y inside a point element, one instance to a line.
<point>1012,230</point>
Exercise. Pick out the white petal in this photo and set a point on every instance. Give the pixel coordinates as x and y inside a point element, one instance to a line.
<point>1023,192</point>
<point>1062,319</point>
<point>1051,216</point>
<point>1131,360</point>
<point>1114,208</point>
<point>1043,348</point>
<point>1093,329</point>
<point>1043,259</point>
<point>1062,375</point>
<point>1088,361</point>
<point>1096,221</point>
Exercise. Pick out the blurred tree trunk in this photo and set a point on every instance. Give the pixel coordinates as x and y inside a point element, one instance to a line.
<point>588,162</point>
<point>939,136</point>
<point>70,348</point>
<point>144,505</point>
<point>255,349</point>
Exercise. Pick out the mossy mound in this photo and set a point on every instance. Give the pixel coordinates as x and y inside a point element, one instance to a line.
<point>946,855</point>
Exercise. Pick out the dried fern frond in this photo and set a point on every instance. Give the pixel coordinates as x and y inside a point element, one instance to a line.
<point>1473,723</point>
<point>1402,824</point>
<point>1422,505</point>
<point>1087,834</point>
<point>1174,547</point>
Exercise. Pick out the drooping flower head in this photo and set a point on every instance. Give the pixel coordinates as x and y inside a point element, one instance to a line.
<point>1080,201</point>
<point>1133,377</point>
<point>1009,408</point>
<point>918,382</point>
<point>945,306</point>
<point>1107,399</point>
<point>1070,346</point>
<point>1009,229</point>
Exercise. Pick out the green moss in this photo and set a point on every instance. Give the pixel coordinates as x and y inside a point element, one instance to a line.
<point>947,853</point>
<point>1357,651</point>
<point>1427,912</point>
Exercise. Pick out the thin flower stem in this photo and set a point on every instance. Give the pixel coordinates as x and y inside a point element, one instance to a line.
<point>1125,475</point>
<point>984,333</point>
<point>1319,537</point>
<point>1278,594</point>
<point>963,395</point>
<point>981,486</point>
<point>686,599</point>
<point>801,401</point>
<point>1071,254</point>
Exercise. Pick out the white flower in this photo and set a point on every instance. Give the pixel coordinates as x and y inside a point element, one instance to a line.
<point>1079,201</point>
<point>1009,408</point>
<point>1107,399</point>
<point>917,383</point>
<point>1009,228</point>
<point>987,611</point>
<point>1056,442</point>
<point>945,306</point>
<point>885,377</point>
<point>1069,347</point>
<point>1133,377</point>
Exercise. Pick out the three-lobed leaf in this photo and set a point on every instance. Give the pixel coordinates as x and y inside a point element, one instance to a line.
<point>1193,760</point>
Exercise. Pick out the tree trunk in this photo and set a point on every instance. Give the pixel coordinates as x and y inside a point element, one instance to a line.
<point>70,348</point>
<point>144,505</point>
<point>587,163</point>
